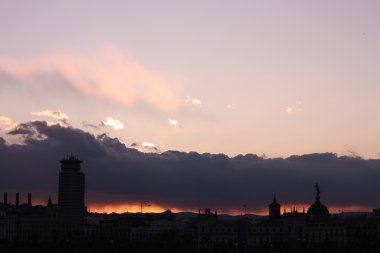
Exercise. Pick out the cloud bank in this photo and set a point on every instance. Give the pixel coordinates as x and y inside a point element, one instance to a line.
<point>116,173</point>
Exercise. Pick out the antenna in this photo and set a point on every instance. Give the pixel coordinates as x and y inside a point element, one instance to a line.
<point>143,204</point>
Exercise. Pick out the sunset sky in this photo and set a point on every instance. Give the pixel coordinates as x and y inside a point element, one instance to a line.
<point>272,78</point>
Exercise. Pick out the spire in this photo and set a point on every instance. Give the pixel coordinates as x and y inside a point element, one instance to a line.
<point>274,198</point>
<point>49,201</point>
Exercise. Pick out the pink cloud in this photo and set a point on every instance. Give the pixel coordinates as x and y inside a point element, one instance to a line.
<point>109,75</point>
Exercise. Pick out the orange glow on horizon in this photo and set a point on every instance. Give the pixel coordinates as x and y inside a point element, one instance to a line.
<point>134,208</point>
<point>155,208</point>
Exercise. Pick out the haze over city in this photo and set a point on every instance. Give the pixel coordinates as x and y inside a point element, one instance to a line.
<point>193,104</point>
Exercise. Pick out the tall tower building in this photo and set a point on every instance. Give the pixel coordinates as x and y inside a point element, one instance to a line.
<point>71,189</point>
<point>274,210</point>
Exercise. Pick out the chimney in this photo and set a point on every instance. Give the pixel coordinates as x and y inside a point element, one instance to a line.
<point>17,199</point>
<point>29,199</point>
<point>5,199</point>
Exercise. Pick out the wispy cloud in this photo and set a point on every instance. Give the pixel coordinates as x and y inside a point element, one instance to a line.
<point>109,75</point>
<point>114,123</point>
<point>58,115</point>
<point>86,124</point>
<point>173,122</point>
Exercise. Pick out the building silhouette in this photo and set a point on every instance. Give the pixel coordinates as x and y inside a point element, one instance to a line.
<point>67,227</point>
<point>71,190</point>
<point>274,210</point>
<point>318,212</point>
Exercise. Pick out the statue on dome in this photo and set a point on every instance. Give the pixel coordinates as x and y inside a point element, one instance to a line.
<point>318,191</point>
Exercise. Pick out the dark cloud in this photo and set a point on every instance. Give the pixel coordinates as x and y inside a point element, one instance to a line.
<point>116,173</point>
<point>93,126</point>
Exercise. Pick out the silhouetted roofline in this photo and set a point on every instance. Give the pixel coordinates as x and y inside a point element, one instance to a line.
<point>70,159</point>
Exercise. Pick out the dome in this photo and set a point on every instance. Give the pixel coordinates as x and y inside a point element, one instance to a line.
<point>318,211</point>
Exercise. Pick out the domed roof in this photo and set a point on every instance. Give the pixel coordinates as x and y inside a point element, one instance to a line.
<point>318,211</point>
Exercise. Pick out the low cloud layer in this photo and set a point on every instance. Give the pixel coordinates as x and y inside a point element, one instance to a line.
<point>118,174</point>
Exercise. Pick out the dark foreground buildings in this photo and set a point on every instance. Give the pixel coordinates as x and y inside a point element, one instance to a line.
<point>68,227</point>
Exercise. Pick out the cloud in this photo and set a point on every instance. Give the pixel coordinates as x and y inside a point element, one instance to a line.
<point>93,126</point>
<point>7,122</point>
<point>114,123</point>
<point>353,154</point>
<point>110,75</point>
<point>196,101</point>
<point>30,131</point>
<point>118,174</point>
<point>148,144</point>
<point>58,115</point>
<point>173,122</point>
<point>145,147</point>
<point>289,110</point>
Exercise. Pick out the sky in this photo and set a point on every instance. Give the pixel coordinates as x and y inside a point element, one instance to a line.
<point>272,78</point>
<point>266,77</point>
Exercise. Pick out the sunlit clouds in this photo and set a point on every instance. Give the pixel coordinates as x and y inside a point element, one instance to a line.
<point>145,147</point>
<point>289,110</point>
<point>196,101</point>
<point>114,123</point>
<point>110,75</point>
<point>173,122</point>
<point>58,115</point>
<point>7,122</point>
<point>148,144</point>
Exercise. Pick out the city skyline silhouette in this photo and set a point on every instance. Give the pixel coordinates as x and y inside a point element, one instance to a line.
<point>189,126</point>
